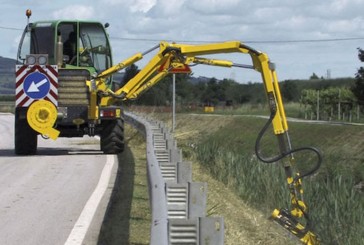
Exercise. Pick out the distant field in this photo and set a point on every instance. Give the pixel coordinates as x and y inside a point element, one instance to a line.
<point>9,103</point>
<point>6,106</point>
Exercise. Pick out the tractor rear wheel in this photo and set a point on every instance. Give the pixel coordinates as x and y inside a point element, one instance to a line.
<point>112,137</point>
<point>25,138</point>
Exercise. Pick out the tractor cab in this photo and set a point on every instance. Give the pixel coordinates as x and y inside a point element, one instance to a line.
<point>68,44</point>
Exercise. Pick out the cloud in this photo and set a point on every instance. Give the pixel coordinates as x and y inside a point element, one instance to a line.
<point>14,46</point>
<point>213,6</point>
<point>142,5</point>
<point>74,12</point>
<point>168,8</point>
<point>158,19</point>
<point>346,26</point>
<point>338,5</point>
<point>112,2</point>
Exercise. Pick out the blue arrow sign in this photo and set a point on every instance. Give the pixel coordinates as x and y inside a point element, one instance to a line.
<point>36,85</point>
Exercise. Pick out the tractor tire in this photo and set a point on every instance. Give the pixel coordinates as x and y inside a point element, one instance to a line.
<point>26,139</point>
<point>112,137</point>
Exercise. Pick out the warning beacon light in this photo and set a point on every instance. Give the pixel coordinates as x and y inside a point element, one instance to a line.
<point>28,13</point>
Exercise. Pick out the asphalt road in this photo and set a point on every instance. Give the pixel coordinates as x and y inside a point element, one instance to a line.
<point>53,197</point>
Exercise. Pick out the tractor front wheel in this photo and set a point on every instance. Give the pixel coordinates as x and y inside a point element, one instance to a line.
<point>26,139</point>
<point>112,137</point>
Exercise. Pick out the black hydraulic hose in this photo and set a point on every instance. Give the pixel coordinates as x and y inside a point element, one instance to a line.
<point>171,49</point>
<point>258,140</point>
<point>284,154</point>
<point>308,225</point>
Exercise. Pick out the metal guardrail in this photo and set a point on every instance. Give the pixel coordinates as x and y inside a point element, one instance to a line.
<point>178,205</point>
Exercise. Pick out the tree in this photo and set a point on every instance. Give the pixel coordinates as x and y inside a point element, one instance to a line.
<point>210,94</point>
<point>314,76</point>
<point>358,88</point>
<point>157,95</point>
<point>332,101</point>
<point>185,94</point>
<point>130,72</point>
<point>290,91</point>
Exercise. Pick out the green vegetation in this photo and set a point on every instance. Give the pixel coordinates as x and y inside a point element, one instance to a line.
<point>7,103</point>
<point>330,104</point>
<point>323,99</point>
<point>7,97</point>
<point>128,217</point>
<point>335,194</point>
<point>191,90</point>
<point>358,88</point>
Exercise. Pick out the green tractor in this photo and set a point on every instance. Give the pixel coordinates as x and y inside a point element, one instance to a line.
<point>56,94</point>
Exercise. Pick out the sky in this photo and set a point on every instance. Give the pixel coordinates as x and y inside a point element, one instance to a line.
<point>301,37</point>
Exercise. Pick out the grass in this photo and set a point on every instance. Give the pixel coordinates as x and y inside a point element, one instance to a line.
<point>243,223</point>
<point>128,217</point>
<point>337,207</point>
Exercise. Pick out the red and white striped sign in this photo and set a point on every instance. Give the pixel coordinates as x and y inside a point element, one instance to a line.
<point>35,82</point>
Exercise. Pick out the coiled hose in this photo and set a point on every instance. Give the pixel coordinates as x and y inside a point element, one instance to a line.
<point>283,155</point>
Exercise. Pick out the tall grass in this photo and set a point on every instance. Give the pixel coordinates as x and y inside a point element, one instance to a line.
<point>336,208</point>
<point>256,183</point>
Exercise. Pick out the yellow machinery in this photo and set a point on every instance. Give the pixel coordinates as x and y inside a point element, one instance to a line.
<point>53,111</point>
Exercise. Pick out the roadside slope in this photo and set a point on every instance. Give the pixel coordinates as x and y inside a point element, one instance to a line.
<point>243,224</point>
<point>128,218</point>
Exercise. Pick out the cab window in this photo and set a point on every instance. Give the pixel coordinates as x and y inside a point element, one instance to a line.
<point>95,45</point>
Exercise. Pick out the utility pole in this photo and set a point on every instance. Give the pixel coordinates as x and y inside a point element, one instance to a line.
<point>174,102</point>
<point>318,106</point>
<point>339,106</point>
<point>328,74</point>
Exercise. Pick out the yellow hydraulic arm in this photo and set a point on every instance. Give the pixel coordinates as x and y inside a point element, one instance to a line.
<point>176,58</point>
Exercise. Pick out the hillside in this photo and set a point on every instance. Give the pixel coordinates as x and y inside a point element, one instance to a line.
<point>7,65</point>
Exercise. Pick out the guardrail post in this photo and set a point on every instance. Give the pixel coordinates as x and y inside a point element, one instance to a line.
<point>178,205</point>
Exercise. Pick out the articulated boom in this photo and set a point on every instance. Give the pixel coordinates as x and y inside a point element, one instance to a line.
<point>171,56</point>
<point>175,58</point>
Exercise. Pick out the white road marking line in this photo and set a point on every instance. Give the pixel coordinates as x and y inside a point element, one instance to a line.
<point>79,230</point>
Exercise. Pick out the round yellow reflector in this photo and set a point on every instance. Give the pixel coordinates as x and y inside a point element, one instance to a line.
<point>41,117</point>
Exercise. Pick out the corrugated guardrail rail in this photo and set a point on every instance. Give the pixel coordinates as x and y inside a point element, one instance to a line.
<point>178,205</point>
